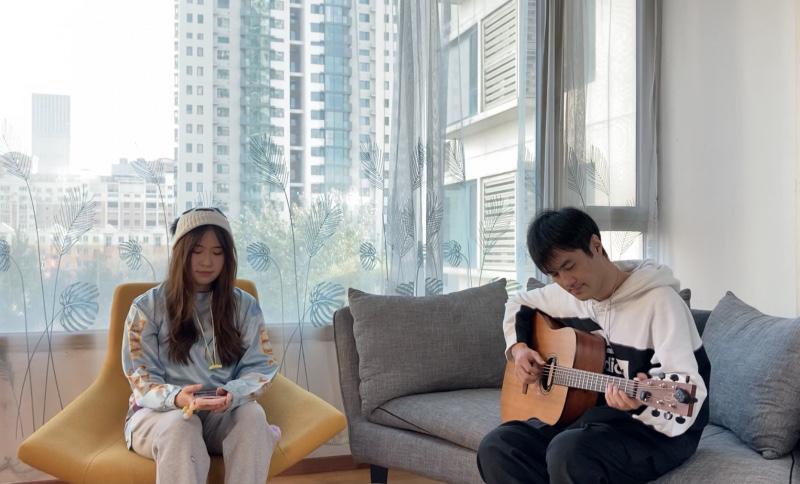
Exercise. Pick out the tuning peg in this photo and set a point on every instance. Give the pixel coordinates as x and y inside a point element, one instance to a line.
<point>661,375</point>
<point>674,377</point>
<point>687,378</point>
<point>668,415</point>
<point>682,396</point>
<point>644,395</point>
<point>655,413</point>
<point>680,420</point>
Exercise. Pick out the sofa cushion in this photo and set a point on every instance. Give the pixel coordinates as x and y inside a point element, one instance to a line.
<point>462,417</point>
<point>722,457</point>
<point>754,361</point>
<point>409,345</point>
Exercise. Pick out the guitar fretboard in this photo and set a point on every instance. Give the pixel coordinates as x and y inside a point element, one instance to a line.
<point>587,380</point>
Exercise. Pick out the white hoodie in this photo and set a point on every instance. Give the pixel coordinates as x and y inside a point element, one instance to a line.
<point>647,327</point>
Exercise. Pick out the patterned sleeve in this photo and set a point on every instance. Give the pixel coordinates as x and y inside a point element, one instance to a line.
<point>141,364</point>
<point>258,366</point>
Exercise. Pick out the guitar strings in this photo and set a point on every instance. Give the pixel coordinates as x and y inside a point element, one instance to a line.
<point>574,375</point>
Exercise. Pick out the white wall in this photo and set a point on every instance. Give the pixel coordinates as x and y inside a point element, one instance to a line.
<point>729,150</point>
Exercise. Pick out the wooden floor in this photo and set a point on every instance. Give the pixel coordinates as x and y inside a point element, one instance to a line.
<point>360,476</point>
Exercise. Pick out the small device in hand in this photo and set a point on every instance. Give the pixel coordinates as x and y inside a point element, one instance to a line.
<point>206,393</point>
<point>188,410</point>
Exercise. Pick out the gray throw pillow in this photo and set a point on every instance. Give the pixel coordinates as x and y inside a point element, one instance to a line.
<point>534,283</point>
<point>408,345</point>
<point>686,295</point>
<point>754,363</point>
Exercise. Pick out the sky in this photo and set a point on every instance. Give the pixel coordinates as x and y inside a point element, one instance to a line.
<point>114,59</point>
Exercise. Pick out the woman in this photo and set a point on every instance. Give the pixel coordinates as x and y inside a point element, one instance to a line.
<point>197,332</point>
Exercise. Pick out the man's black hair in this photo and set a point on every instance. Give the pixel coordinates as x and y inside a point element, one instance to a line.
<point>566,229</point>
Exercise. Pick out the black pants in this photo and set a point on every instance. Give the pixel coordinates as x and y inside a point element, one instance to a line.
<point>603,446</point>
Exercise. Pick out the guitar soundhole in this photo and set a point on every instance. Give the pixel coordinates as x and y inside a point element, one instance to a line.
<point>548,374</point>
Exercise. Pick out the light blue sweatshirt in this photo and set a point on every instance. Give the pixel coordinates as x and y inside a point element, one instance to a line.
<point>156,380</point>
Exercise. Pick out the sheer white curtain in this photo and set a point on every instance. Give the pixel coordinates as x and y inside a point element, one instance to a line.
<point>599,62</point>
<point>416,167</point>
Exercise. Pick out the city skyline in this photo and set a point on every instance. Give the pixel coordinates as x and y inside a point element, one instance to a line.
<point>120,89</point>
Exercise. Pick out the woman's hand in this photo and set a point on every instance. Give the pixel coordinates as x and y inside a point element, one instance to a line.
<point>185,397</point>
<point>187,400</point>
<point>616,398</point>
<point>227,400</point>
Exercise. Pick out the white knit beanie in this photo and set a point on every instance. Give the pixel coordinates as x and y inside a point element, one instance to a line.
<point>197,217</point>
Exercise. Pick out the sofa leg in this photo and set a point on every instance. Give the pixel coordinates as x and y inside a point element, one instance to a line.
<point>378,474</point>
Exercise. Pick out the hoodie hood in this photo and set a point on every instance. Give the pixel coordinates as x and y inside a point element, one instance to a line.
<point>645,275</point>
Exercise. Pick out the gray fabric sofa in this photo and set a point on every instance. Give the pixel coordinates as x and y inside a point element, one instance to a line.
<point>437,434</point>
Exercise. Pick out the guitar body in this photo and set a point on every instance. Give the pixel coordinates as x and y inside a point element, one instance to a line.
<point>557,404</point>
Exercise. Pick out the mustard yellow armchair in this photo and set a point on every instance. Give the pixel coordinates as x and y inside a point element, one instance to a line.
<point>85,443</point>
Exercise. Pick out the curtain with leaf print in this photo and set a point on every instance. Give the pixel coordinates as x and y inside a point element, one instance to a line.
<point>597,128</point>
<point>415,206</point>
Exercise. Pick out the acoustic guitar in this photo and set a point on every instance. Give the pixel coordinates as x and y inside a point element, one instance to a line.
<point>571,378</point>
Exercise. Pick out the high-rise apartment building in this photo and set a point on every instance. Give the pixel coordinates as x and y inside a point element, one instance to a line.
<point>315,76</point>
<point>50,131</point>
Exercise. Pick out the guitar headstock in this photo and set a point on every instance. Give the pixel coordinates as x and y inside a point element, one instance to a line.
<point>668,396</point>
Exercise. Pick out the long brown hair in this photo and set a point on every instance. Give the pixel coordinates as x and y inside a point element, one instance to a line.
<point>183,332</point>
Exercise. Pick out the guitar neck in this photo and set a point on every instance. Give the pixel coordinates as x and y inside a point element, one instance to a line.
<point>587,380</point>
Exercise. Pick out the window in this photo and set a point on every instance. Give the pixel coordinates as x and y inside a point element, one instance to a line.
<point>223,22</point>
<point>199,52</point>
<point>363,36</point>
<point>189,50</point>
<point>223,92</point>
<point>189,188</point>
<point>199,129</point>
<point>199,90</point>
<point>223,169</point>
<point>189,18</point>
<point>188,70</point>
<point>199,18</point>
<point>188,167</point>
<point>223,3</point>
<point>199,109</point>
<point>363,85</point>
<point>188,89</point>
<point>223,131</point>
<point>223,112</point>
<point>363,102</point>
<point>363,66</point>
<point>188,147</point>
<point>189,129</point>
<point>222,150</point>
<point>223,73</point>
<point>363,17</point>
<point>462,56</point>
<point>188,109</point>
<point>199,187</point>
<point>200,71</point>
<point>223,54</point>
<point>499,56</point>
<point>199,168</point>
<point>199,147</point>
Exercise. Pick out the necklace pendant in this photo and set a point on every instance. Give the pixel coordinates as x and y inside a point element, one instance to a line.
<point>214,366</point>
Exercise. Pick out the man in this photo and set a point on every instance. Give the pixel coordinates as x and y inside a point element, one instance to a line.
<point>647,327</point>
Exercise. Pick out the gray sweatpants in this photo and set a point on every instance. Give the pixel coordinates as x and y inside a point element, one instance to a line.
<point>181,447</point>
